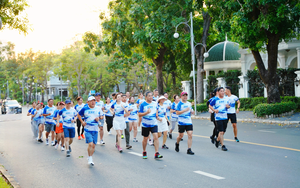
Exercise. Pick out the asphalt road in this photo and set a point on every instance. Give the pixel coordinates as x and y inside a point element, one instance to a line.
<point>267,156</point>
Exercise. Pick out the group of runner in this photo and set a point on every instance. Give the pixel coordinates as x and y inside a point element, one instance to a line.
<point>153,113</point>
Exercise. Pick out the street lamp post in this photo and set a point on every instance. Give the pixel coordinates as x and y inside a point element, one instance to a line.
<point>193,46</point>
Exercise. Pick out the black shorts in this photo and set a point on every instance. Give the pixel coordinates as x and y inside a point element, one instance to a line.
<point>222,125</point>
<point>182,128</point>
<point>146,130</point>
<point>232,118</point>
<point>212,117</point>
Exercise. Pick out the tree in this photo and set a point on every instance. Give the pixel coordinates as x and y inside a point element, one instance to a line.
<point>260,26</point>
<point>11,15</point>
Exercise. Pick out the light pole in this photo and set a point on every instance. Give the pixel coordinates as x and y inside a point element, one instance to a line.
<point>176,35</point>
<point>36,92</point>
<point>7,89</point>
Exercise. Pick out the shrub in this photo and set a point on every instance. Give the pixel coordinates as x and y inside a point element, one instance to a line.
<point>201,108</point>
<point>277,108</point>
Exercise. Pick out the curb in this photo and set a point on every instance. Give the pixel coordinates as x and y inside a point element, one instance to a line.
<point>256,121</point>
<point>8,177</point>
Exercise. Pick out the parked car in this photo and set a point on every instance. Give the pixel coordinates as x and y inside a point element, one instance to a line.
<point>11,106</point>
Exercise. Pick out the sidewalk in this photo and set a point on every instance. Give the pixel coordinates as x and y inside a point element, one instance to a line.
<point>248,116</point>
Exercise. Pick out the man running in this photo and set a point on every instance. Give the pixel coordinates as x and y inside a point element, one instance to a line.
<point>68,116</point>
<point>33,124</point>
<point>127,97</point>
<point>100,105</point>
<point>92,116</point>
<point>184,110</point>
<point>231,113</point>
<point>126,115</point>
<point>155,95</point>
<point>148,111</point>
<point>49,121</point>
<point>215,134</point>
<point>219,106</point>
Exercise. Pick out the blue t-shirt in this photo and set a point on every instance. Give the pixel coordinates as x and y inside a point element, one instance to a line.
<point>49,110</point>
<point>38,116</point>
<point>140,101</point>
<point>167,104</point>
<point>56,114</point>
<point>161,111</point>
<point>79,107</point>
<point>107,107</point>
<point>29,111</point>
<point>174,107</point>
<point>90,115</point>
<point>184,118</point>
<point>67,117</point>
<point>232,100</point>
<point>119,111</point>
<point>155,98</point>
<point>133,112</point>
<point>220,104</point>
<point>99,104</point>
<point>149,120</point>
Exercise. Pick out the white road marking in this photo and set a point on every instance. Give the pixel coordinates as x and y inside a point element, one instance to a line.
<point>134,153</point>
<point>209,175</point>
<point>267,131</point>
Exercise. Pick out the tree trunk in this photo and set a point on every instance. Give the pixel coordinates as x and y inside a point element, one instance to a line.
<point>78,87</point>
<point>159,62</point>
<point>200,58</point>
<point>269,76</point>
<point>174,79</point>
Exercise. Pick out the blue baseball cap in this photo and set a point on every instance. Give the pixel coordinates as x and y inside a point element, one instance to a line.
<point>68,101</point>
<point>97,94</point>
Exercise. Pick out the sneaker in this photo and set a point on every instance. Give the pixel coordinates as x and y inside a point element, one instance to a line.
<point>150,143</point>
<point>170,135</point>
<point>176,147</point>
<point>158,156</point>
<point>70,149</point>
<point>217,143</point>
<point>236,139</point>
<point>47,141</point>
<point>145,155</point>
<point>212,140</point>
<point>224,148</point>
<point>116,145</point>
<point>102,142</point>
<point>62,148</point>
<point>165,147</point>
<point>120,149</point>
<point>109,133</point>
<point>134,140</point>
<point>181,139</point>
<point>122,136</point>
<point>82,136</point>
<point>56,146</point>
<point>79,138</point>
<point>128,146</point>
<point>90,161</point>
<point>52,143</point>
<point>68,153</point>
<point>40,140</point>
<point>190,152</point>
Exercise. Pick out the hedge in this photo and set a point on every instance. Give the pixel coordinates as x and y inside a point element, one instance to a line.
<point>262,110</point>
<point>201,108</point>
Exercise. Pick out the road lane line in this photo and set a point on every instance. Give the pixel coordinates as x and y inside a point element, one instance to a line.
<point>134,153</point>
<point>209,175</point>
<point>252,143</point>
<point>264,131</point>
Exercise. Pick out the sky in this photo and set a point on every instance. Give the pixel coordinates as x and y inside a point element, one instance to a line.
<point>56,24</point>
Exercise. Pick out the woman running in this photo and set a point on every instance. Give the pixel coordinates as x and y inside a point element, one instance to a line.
<point>174,117</point>
<point>78,107</point>
<point>133,118</point>
<point>38,118</point>
<point>59,127</point>
<point>34,127</point>
<point>108,114</point>
<point>119,109</point>
<point>162,118</point>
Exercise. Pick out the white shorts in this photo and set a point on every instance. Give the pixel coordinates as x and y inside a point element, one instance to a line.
<point>133,120</point>
<point>162,125</point>
<point>119,123</point>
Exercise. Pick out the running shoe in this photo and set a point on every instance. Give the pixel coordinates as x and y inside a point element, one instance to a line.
<point>224,148</point>
<point>90,161</point>
<point>40,140</point>
<point>109,133</point>
<point>176,147</point>
<point>56,146</point>
<point>158,156</point>
<point>212,140</point>
<point>165,147</point>
<point>217,143</point>
<point>145,155</point>
<point>68,153</point>
<point>128,146</point>
<point>120,149</point>
<point>236,139</point>
<point>170,135</point>
<point>102,142</point>
<point>122,136</point>
<point>150,142</point>
<point>47,141</point>
<point>79,138</point>
<point>70,149</point>
<point>190,152</point>
<point>134,140</point>
<point>181,139</point>
<point>82,136</point>
<point>62,148</point>
<point>52,143</point>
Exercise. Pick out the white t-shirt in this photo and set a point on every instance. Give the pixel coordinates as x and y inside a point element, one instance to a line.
<point>232,100</point>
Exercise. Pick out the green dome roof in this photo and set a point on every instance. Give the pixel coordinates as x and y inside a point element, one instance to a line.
<point>217,52</point>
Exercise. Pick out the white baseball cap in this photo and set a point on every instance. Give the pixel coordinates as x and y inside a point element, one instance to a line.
<point>91,98</point>
<point>161,97</point>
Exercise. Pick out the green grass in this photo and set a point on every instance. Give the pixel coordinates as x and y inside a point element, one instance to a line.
<point>3,183</point>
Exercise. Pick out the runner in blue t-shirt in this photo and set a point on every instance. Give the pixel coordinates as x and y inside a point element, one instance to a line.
<point>100,105</point>
<point>108,115</point>
<point>215,133</point>
<point>133,118</point>
<point>220,105</point>
<point>78,107</point>
<point>34,128</point>
<point>147,112</point>
<point>48,113</point>
<point>92,116</point>
<point>184,110</point>
<point>37,116</point>
<point>174,116</point>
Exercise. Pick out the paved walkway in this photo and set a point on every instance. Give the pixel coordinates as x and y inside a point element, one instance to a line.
<point>248,116</point>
